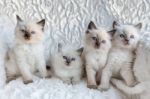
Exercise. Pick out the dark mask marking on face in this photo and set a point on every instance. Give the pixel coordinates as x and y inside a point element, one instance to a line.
<point>27,35</point>
<point>97,43</point>
<point>68,60</point>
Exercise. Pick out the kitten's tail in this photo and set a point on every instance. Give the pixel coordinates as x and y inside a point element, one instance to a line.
<point>137,89</point>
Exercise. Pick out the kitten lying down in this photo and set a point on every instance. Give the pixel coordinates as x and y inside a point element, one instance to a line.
<point>68,65</point>
<point>121,56</point>
<point>97,45</point>
<point>27,56</point>
<point>141,71</point>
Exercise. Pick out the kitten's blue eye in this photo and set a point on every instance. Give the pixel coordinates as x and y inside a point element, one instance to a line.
<point>103,41</point>
<point>122,36</point>
<point>64,57</point>
<point>23,31</point>
<point>94,38</point>
<point>132,36</point>
<point>33,32</point>
<point>73,59</point>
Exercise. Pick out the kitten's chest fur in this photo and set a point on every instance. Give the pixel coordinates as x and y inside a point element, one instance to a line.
<point>96,58</point>
<point>30,53</point>
<point>120,58</point>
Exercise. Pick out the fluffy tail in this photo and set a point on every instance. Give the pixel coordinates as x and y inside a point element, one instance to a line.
<point>137,89</point>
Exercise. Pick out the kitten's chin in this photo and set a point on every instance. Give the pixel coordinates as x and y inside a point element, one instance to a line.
<point>68,65</point>
<point>97,47</point>
<point>29,41</point>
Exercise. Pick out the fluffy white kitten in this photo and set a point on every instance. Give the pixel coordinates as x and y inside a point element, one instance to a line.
<point>96,48</point>
<point>67,65</point>
<point>121,56</point>
<point>27,56</point>
<point>141,71</point>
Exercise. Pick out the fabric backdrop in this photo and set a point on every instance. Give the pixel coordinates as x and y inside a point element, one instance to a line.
<point>66,22</point>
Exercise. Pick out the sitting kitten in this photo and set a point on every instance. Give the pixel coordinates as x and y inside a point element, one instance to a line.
<point>121,56</point>
<point>27,56</point>
<point>68,65</point>
<point>97,46</point>
<point>141,71</point>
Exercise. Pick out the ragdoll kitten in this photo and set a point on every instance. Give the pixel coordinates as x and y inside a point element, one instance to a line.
<point>27,56</point>
<point>68,65</point>
<point>141,71</point>
<point>96,48</point>
<point>121,56</point>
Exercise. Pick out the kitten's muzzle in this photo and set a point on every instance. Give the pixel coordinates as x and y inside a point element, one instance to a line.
<point>68,61</point>
<point>27,36</point>
<point>97,44</point>
<point>126,42</point>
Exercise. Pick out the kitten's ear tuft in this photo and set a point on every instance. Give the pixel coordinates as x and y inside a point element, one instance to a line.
<point>59,47</point>
<point>91,25</point>
<point>138,26</point>
<point>80,50</point>
<point>112,32</point>
<point>42,22</point>
<point>115,23</point>
<point>18,18</point>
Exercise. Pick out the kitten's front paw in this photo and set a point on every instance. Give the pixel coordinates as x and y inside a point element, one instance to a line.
<point>103,87</point>
<point>92,86</point>
<point>114,81</point>
<point>75,82</point>
<point>27,81</point>
<point>67,82</point>
<point>44,75</point>
<point>10,79</point>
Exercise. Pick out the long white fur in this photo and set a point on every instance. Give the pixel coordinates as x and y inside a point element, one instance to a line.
<point>95,59</point>
<point>120,58</point>
<point>69,74</point>
<point>26,56</point>
<point>141,71</point>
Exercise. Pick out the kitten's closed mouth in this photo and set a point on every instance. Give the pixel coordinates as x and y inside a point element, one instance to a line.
<point>68,64</point>
<point>126,43</point>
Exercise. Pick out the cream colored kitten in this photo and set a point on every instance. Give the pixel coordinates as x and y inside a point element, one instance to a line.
<point>96,48</point>
<point>121,56</point>
<point>141,71</point>
<point>68,65</point>
<point>27,56</point>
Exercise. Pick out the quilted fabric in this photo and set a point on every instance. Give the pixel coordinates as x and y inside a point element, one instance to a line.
<point>66,23</point>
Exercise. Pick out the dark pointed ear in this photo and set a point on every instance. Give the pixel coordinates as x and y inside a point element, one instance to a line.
<point>112,32</point>
<point>80,50</point>
<point>42,22</point>
<point>59,47</point>
<point>18,18</point>
<point>115,23</point>
<point>91,25</point>
<point>138,26</point>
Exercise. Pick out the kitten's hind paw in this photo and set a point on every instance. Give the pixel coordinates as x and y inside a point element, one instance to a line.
<point>92,86</point>
<point>11,78</point>
<point>27,81</point>
<point>67,82</point>
<point>103,88</point>
<point>114,81</point>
